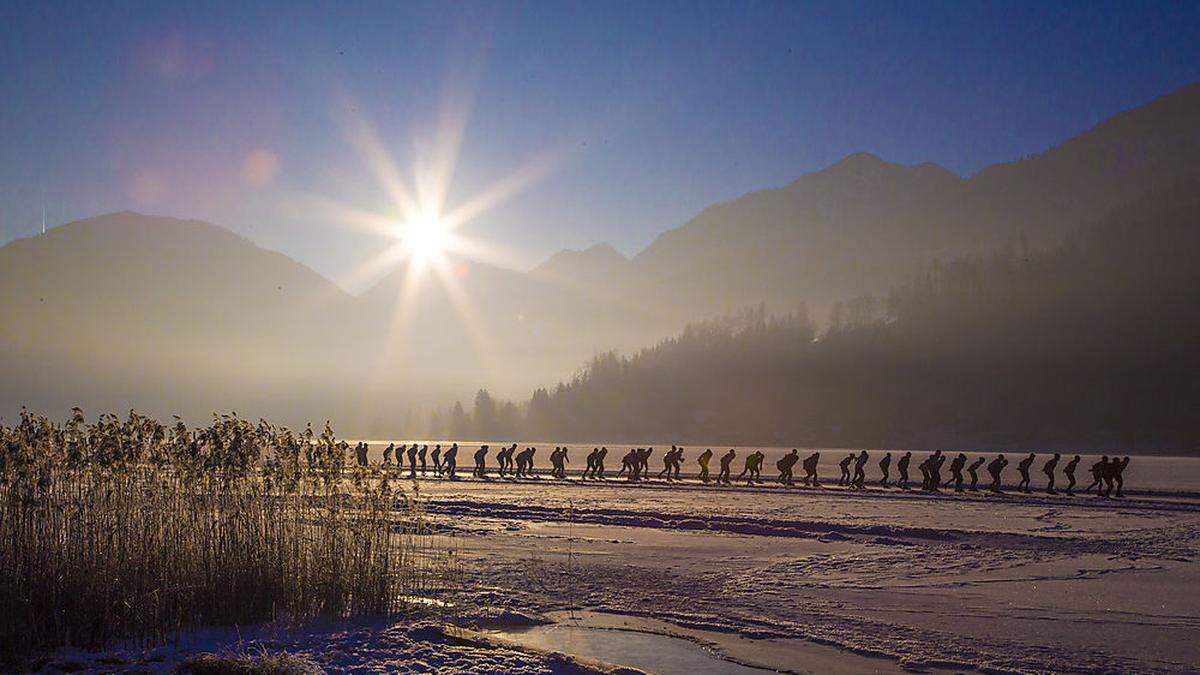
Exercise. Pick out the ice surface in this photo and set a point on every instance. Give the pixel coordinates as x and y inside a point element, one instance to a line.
<point>802,580</point>
<point>1010,583</point>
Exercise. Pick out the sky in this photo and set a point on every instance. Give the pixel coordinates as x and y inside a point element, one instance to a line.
<point>589,122</point>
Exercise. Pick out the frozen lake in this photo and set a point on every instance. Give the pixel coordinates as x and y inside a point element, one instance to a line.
<point>975,581</point>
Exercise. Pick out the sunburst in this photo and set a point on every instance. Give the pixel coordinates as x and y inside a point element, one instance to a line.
<point>423,234</point>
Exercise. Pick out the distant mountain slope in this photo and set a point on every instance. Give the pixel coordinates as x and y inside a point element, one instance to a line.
<point>1120,160</point>
<point>162,306</point>
<point>847,230</point>
<point>862,224</point>
<point>600,269</point>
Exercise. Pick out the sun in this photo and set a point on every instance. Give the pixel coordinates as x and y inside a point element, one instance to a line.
<point>424,237</point>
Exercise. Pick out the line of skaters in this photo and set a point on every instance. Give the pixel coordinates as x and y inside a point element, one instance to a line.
<point>1107,474</point>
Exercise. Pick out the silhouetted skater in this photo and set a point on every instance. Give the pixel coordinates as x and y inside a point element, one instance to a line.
<point>956,469</point>
<point>703,460</point>
<point>520,461</point>
<point>1118,473</point>
<point>753,467</point>
<point>1098,469</point>
<point>529,472</point>
<point>387,453</point>
<point>360,451</point>
<point>628,462</point>
<point>505,458</point>
<point>525,463</point>
<point>450,462</point>
<point>399,459</point>
<point>973,469</point>
<point>1048,469</point>
<point>924,466</point>
<point>599,472</point>
<point>995,468</point>
<point>668,458</point>
<point>501,461</point>
<point>786,466</point>
<point>412,461</point>
<point>844,465</point>
<point>421,455</point>
<point>671,461</point>
<point>517,464</point>
<point>481,462</point>
<point>885,466</point>
<point>1109,474</point>
<point>860,474</point>
<point>1023,469</point>
<point>643,463</point>
<point>1069,472</point>
<point>902,467</point>
<point>935,471</point>
<point>635,463</point>
<point>590,470</point>
<point>436,455</point>
<point>723,476</point>
<point>810,469</point>
<point>560,465</point>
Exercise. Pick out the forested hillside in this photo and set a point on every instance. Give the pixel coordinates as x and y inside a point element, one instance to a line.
<point>1092,343</point>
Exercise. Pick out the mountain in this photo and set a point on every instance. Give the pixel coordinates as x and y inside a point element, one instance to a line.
<point>1117,162</point>
<point>181,316</point>
<point>846,230</point>
<point>864,224</point>
<point>126,309</point>
<point>595,267</point>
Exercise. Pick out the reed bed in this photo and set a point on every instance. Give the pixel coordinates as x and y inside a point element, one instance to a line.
<point>132,531</point>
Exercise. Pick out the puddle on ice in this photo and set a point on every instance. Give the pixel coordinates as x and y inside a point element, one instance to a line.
<point>660,647</point>
<point>647,651</point>
<point>422,600</point>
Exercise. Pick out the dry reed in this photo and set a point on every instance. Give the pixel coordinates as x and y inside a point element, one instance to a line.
<point>132,531</point>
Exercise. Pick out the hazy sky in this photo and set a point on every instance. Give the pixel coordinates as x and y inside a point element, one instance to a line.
<point>642,113</point>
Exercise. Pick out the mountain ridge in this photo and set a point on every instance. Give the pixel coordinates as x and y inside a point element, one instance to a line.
<point>129,308</point>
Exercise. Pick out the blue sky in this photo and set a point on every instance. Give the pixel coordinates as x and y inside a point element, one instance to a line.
<point>235,112</point>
